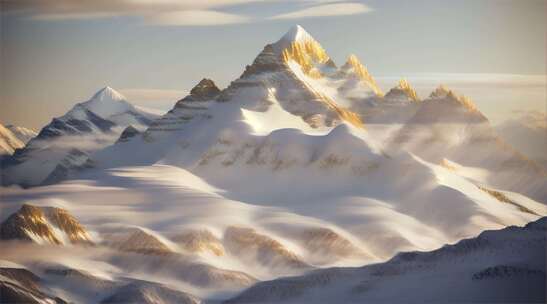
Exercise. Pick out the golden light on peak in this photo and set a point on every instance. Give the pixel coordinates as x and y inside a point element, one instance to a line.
<point>363,73</point>
<point>408,89</point>
<point>307,54</point>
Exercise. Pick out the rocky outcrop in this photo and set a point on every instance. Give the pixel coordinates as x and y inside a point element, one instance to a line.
<point>354,66</point>
<point>127,134</point>
<point>403,92</point>
<point>44,225</point>
<point>205,90</point>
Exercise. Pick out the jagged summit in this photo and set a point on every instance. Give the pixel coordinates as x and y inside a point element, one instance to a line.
<point>354,65</point>
<point>205,90</point>
<point>403,91</point>
<point>106,102</point>
<point>440,92</point>
<point>296,33</point>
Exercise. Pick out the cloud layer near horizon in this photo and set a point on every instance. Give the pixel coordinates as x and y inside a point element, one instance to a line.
<point>177,12</point>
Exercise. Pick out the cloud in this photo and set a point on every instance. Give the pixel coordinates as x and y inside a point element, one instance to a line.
<point>196,18</point>
<point>159,12</point>
<point>332,9</point>
<point>174,12</point>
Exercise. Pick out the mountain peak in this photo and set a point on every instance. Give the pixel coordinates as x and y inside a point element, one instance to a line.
<point>107,94</point>
<point>354,64</point>
<point>440,92</point>
<point>296,33</point>
<point>205,90</point>
<point>403,90</point>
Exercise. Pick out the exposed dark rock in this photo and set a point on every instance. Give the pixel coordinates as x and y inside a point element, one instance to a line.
<point>205,90</point>
<point>128,133</point>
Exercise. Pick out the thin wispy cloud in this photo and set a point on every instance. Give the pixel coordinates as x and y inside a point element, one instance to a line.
<point>196,18</point>
<point>175,12</point>
<point>161,12</point>
<point>325,10</point>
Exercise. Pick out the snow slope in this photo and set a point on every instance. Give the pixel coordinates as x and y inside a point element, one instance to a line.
<point>343,224</point>
<point>506,265</point>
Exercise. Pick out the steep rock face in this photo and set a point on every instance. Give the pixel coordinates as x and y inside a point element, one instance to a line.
<point>511,259</point>
<point>44,225</point>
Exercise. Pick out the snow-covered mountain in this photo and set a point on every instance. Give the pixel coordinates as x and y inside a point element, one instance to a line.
<point>505,265</point>
<point>64,144</point>
<point>448,126</point>
<point>297,165</point>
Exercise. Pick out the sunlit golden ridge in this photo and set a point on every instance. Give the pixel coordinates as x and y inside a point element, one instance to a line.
<point>363,74</point>
<point>307,54</point>
<point>411,93</point>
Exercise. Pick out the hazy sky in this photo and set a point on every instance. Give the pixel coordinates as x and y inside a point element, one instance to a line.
<point>57,53</point>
